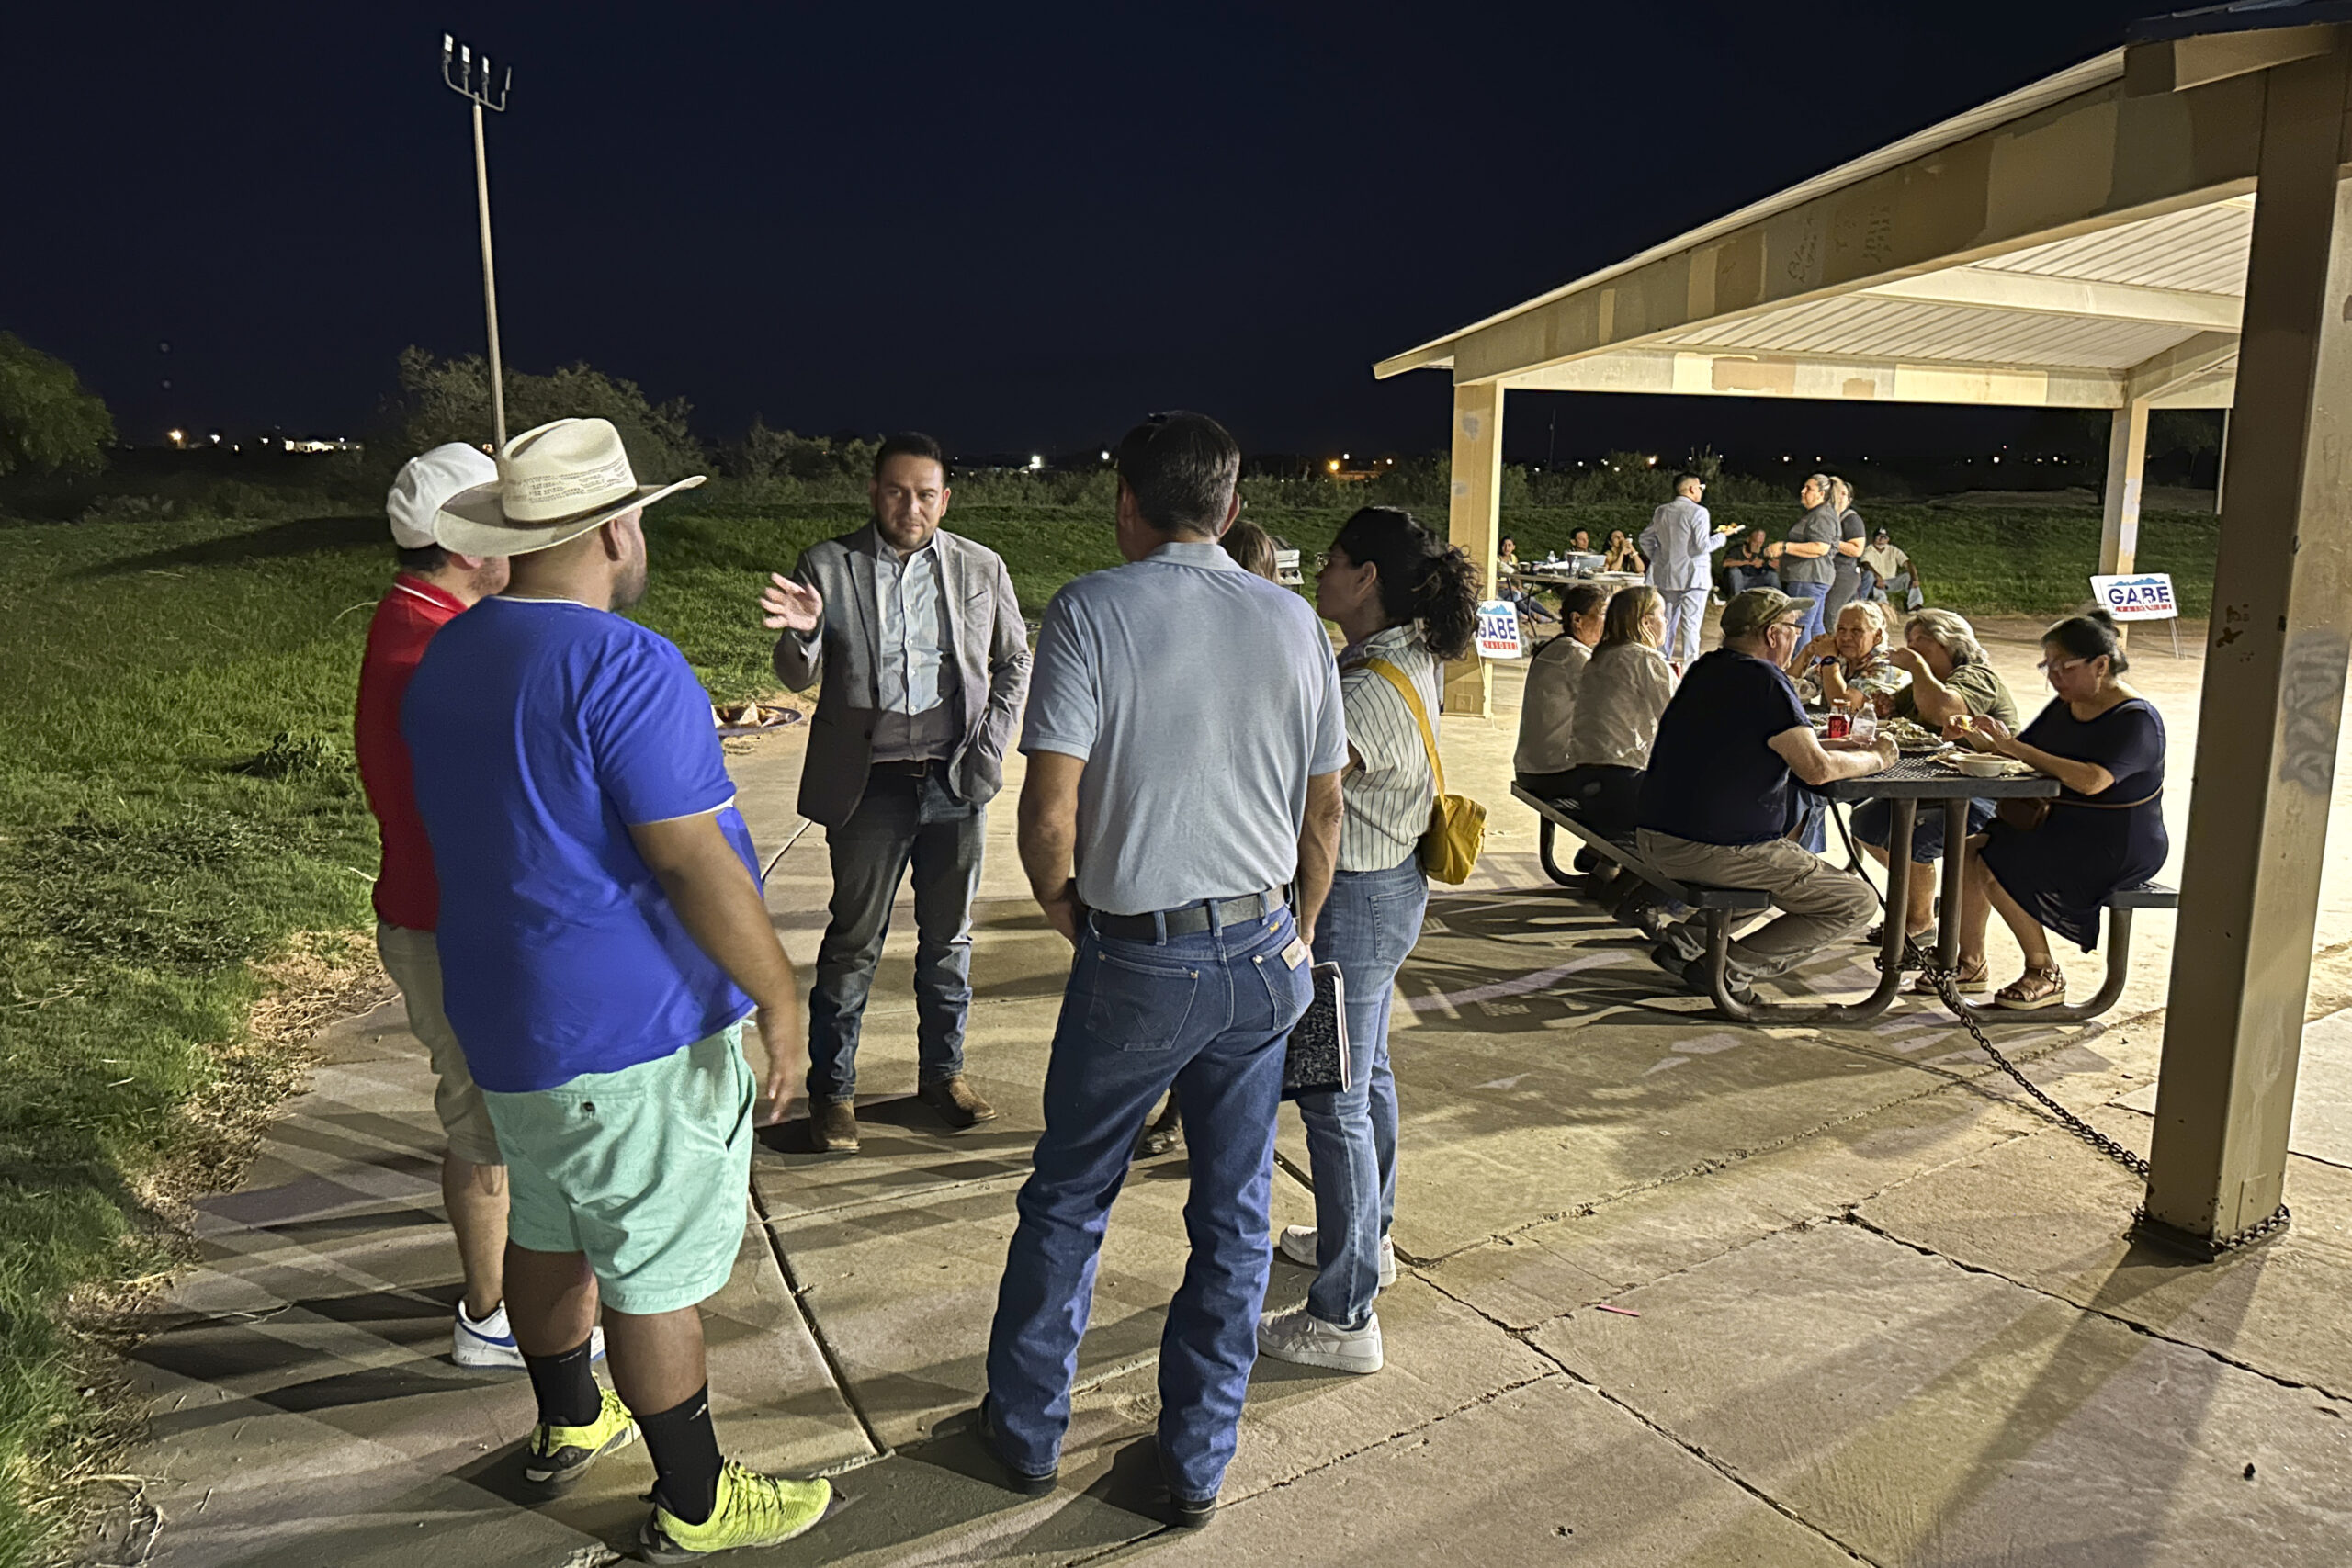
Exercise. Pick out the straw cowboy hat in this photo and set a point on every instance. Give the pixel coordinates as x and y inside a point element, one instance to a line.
<point>554,484</point>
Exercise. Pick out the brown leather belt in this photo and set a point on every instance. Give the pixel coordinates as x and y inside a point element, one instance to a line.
<point>1192,919</point>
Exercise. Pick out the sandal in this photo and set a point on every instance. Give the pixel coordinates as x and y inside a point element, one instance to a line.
<point>2042,988</point>
<point>1968,979</point>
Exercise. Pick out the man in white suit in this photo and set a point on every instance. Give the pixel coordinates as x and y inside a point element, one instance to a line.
<point>1678,543</point>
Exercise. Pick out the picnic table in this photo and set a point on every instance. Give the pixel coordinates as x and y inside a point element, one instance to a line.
<point>1905,787</point>
<point>1910,782</point>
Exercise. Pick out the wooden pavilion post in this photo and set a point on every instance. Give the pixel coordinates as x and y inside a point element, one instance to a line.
<point>1473,517</point>
<point>2273,698</point>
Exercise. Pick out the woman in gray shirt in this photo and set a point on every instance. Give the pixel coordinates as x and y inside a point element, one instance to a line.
<point>1802,558</point>
<point>1846,565</point>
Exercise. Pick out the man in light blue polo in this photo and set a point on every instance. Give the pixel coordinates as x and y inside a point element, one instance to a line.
<point>1179,825</point>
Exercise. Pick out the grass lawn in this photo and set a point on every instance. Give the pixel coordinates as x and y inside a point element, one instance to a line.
<point>176,803</point>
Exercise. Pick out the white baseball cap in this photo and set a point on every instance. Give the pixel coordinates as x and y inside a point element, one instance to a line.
<point>427,482</point>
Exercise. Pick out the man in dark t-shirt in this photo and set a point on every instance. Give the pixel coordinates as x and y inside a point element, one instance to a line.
<point>1724,789</point>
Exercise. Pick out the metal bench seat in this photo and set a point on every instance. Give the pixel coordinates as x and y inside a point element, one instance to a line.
<point>2147,895</point>
<point>1623,852</point>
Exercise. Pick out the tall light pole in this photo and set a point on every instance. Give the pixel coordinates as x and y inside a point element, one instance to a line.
<point>471,79</point>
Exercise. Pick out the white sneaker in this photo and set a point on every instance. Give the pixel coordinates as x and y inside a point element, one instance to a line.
<point>1299,1336</point>
<point>488,1344</point>
<point>1298,1244</point>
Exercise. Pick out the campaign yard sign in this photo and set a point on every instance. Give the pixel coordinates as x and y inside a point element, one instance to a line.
<point>1497,629</point>
<point>2146,597</point>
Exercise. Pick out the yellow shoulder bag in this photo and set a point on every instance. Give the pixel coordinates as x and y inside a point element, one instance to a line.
<point>1457,829</point>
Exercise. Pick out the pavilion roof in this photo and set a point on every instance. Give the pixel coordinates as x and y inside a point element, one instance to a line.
<point>2079,242</point>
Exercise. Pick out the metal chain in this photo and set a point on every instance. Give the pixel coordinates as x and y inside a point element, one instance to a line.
<point>1946,982</point>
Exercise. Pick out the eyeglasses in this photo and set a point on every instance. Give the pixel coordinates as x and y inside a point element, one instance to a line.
<point>2060,666</point>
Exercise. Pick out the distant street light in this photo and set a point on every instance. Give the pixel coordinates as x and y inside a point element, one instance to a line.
<point>472,80</point>
<point>1036,463</point>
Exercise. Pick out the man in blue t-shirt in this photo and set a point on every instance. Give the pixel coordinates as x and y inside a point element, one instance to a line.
<point>603,937</point>
<point>1723,791</point>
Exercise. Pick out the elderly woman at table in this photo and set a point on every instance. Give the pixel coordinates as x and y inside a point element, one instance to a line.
<point>2105,745</point>
<point>1951,680</point>
<point>1850,663</point>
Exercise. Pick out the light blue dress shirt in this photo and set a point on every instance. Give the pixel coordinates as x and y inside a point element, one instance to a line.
<point>913,675</point>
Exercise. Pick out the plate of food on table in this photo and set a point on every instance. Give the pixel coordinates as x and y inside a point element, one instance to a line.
<point>1968,758</point>
<point>1916,740</point>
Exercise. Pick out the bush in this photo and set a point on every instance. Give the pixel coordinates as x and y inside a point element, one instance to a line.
<point>449,399</point>
<point>49,422</point>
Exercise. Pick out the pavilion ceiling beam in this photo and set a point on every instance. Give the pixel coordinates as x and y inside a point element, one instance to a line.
<point>2180,366</point>
<point>2092,161</point>
<point>2174,66</point>
<point>1985,289</point>
<point>1745,373</point>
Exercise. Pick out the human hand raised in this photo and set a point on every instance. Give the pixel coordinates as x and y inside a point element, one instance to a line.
<point>1907,658</point>
<point>787,605</point>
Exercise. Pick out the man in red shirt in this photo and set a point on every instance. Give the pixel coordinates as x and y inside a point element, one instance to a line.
<point>433,586</point>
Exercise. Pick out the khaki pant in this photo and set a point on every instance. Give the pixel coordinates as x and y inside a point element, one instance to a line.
<point>414,963</point>
<point>1822,904</point>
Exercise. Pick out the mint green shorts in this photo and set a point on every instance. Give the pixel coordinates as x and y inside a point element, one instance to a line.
<point>647,1171</point>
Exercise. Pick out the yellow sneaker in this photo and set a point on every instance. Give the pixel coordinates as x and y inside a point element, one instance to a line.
<point>753,1510</point>
<point>556,1457</point>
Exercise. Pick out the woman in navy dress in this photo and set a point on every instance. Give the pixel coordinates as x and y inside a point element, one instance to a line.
<point>2105,745</point>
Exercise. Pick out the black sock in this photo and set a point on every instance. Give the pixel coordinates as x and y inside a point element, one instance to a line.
<point>686,1456</point>
<point>567,1389</point>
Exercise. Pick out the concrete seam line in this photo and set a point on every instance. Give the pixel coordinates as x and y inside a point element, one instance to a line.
<point>1805,1224</point>
<point>1415,1430</point>
<point>1703,1457</point>
<point>792,1287</point>
<point>860,1207</point>
<point>1874,1228</point>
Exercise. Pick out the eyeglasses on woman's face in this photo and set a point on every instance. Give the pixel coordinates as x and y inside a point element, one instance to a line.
<point>2054,668</point>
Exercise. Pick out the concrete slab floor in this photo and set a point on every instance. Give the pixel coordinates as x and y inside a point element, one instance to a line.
<point>1887,1312</point>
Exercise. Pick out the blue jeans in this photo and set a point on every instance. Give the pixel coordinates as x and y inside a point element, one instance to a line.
<point>900,821</point>
<point>1209,1014</point>
<point>1813,821</point>
<point>1738,580</point>
<point>1812,594</point>
<point>1368,927</point>
<point>1874,824</point>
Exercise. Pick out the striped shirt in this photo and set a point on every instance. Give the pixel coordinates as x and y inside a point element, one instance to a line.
<point>1386,799</point>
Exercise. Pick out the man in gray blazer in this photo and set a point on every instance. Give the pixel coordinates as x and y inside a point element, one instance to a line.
<point>924,660</point>
<point>1678,541</point>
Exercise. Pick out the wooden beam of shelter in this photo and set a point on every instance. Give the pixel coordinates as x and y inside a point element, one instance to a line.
<point>2094,160</point>
<point>1983,289</point>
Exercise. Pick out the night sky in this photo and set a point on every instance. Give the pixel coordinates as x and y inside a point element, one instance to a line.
<point>1019,226</point>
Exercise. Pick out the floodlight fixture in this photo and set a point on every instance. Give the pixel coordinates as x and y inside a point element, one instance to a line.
<point>472,78</point>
